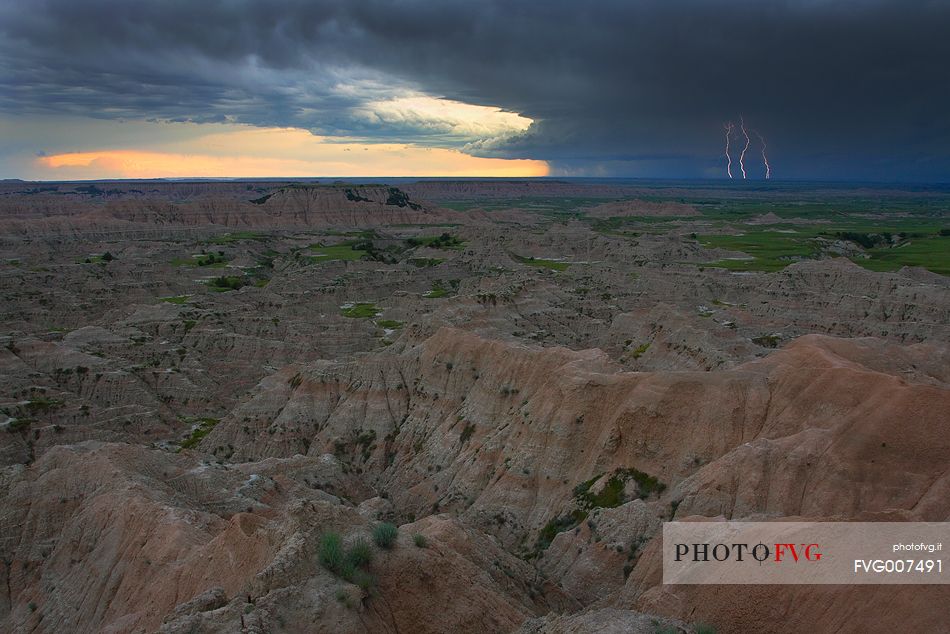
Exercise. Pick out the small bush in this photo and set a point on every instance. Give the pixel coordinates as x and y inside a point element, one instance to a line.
<point>226,283</point>
<point>467,432</point>
<point>360,553</point>
<point>331,552</point>
<point>419,540</point>
<point>347,569</point>
<point>362,579</point>
<point>384,534</point>
<point>558,525</point>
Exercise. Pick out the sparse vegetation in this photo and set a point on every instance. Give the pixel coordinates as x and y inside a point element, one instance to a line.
<point>438,290</point>
<point>202,428</point>
<point>360,552</point>
<point>361,310</point>
<point>239,236</point>
<point>467,432</point>
<point>610,495</point>
<point>226,283</point>
<point>558,525</point>
<point>348,564</point>
<point>553,265</point>
<point>384,534</point>
<point>426,262</point>
<point>331,552</point>
<point>640,350</point>
<point>767,341</point>
<point>887,244</point>
<point>513,382</point>
<point>213,260</point>
<point>345,251</point>
<point>443,241</point>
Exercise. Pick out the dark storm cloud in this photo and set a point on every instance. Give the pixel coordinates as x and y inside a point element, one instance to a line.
<point>847,88</point>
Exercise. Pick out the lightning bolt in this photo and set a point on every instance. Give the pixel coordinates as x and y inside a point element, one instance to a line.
<point>729,127</point>
<point>765,158</point>
<point>748,142</point>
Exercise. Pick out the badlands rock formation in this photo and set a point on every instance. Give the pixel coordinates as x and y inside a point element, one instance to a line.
<point>193,415</point>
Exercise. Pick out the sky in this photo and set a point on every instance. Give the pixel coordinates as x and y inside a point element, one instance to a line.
<point>835,89</point>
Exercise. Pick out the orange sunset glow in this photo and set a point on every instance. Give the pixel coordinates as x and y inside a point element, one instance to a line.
<point>393,161</point>
<point>182,150</point>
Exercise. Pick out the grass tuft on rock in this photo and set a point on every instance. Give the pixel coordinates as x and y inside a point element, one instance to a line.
<point>331,554</point>
<point>384,534</point>
<point>360,552</point>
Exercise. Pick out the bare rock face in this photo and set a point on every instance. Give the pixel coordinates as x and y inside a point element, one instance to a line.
<point>807,431</point>
<point>130,209</point>
<point>117,538</point>
<point>569,416</point>
<point>608,620</point>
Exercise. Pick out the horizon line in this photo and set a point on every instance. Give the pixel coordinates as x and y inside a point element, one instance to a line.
<point>369,179</point>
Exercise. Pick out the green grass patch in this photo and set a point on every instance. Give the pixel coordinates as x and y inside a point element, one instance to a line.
<point>175,299</point>
<point>551,206</point>
<point>437,291</point>
<point>203,428</point>
<point>344,251</point>
<point>238,236</point>
<point>769,250</point>
<point>211,260</point>
<point>389,324</point>
<point>585,501</point>
<point>890,244</point>
<point>41,405</point>
<point>361,310</point>
<point>101,258</point>
<point>553,265</point>
<point>612,493</point>
<point>226,283</point>
<point>931,253</point>
<point>640,350</point>
<point>633,226</point>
